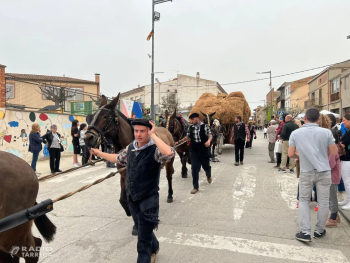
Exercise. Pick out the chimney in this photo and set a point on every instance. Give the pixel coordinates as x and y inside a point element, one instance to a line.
<point>198,75</point>
<point>97,77</point>
<point>2,86</point>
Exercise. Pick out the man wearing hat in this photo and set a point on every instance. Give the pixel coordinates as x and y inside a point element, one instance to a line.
<point>143,159</point>
<point>200,136</point>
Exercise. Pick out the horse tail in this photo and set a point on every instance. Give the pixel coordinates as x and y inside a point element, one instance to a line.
<point>46,228</point>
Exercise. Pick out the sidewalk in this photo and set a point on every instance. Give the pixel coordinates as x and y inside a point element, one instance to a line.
<point>345,214</point>
<point>43,166</point>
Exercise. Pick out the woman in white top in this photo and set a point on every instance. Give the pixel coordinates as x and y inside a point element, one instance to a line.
<point>53,141</point>
<point>265,132</point>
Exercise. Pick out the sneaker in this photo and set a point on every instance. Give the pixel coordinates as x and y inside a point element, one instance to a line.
<point>282,170</point>
<point>58,171</point>
<point>153,256</point>
<point>318,235</point>
<point>303,237</point>
<point>236,163</point>
<point>241,163</point>
<point>209,180</point>
<point>277,167</point>
<point>316,208</point>
<point>346,207</point>
<point>75,165</point>
<point>331,223</point>
<point>291,171</point>
<point>345,202</point>
<point>53,172</point>
<point>79,164</point>
<point>271,162</point>
<point>193,191</point>
<point>37,174</point>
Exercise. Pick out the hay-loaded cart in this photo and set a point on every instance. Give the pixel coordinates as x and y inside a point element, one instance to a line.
<point>227,107</point>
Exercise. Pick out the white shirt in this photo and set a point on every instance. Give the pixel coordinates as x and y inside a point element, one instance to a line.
<point>265,130</point>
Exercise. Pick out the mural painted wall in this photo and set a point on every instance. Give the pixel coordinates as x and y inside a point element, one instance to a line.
<point>15,127</point>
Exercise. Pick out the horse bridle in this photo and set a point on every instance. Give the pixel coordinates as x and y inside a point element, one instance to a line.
<point>167,127</point>
<point>112,117</point>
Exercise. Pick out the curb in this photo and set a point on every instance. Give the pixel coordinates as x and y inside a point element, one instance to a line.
<point>345,214</point>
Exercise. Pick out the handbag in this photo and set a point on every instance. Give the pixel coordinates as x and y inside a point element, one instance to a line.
<point>61,148</point>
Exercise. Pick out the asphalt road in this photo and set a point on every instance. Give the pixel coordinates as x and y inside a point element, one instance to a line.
<point>247,214</point>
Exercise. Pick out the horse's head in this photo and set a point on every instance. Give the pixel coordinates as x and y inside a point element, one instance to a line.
<point>208,118</point>
<point>103,123</point>
<point>172,124</point>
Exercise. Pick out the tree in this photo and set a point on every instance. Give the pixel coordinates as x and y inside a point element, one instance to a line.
<point>57,94</point>
<point>295,111</point>
<point>170,103</point>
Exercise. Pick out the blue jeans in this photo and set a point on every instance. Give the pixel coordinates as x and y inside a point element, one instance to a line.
<point>34,160</point>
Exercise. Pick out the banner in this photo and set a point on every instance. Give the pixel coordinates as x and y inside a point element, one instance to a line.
<point>131,109</point>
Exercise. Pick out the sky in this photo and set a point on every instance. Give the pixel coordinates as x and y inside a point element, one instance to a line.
<point>224,40</point>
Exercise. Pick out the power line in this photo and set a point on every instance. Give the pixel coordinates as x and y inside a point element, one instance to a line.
<point>254,80</point>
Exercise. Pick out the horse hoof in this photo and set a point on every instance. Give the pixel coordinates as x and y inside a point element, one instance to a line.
<point>170,200</point>
<point>135,232</point>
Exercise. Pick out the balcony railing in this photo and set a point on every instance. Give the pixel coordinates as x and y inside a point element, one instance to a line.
<point>313,103</point>
<point>335,96</point>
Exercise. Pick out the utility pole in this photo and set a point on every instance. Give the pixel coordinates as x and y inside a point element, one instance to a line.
<point>155,17</point>
<point>271,107</point>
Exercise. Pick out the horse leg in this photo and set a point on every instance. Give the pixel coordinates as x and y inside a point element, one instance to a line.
<point>183,162</point>
<point>7,258</point>
<point>169,175</point>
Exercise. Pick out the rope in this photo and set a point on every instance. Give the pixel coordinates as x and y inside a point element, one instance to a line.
<point>62,197</point>
<point>67,171</point>
<point>71,169</point>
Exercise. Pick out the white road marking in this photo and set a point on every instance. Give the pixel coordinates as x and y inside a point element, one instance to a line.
<point>256,248</point>
<point>288,185</point>
<point>244,188</point>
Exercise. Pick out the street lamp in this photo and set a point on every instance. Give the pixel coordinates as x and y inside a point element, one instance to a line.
<point>155,17</point>
<point>268,72</point>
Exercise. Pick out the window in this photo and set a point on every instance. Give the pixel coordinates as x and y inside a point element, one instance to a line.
<point>346,82</point>
<point>335,85</point>
<point>75,94</point>
<point>10,91</point>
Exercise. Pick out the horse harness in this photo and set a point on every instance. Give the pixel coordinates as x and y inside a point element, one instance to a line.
<point>112,117</point>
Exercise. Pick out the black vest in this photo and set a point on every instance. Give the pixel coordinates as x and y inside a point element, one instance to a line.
<point>142,174</point>
<point>240,133</point>
<point>198,147</point>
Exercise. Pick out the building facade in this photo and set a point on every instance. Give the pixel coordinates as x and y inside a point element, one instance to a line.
<point>325,89</point>
<point>28,91</point>
<point>186,89</point>
<point>299,92</point>
<point>345,91</point>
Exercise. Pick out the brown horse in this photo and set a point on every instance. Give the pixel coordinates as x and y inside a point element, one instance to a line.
<point>177,129</point>
<point>109,123</point>
<point>18,191</point>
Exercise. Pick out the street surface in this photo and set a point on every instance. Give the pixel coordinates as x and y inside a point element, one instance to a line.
<point>248,214</point>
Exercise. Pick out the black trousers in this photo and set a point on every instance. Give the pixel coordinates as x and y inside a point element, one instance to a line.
<point>145,214</point>
<point>199,159</point>
<point>55,157</point>
<point>86,154</point>
<point>279,159</point>
<point>239,150</point>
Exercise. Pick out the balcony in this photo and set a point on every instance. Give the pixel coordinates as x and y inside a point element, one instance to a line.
<point>335,96</point>
<point>317,102</point>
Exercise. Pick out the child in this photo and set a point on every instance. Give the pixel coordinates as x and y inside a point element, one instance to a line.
<point>86,151</point>
<point>334,162</point>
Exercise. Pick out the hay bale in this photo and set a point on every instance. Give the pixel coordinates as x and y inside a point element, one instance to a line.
<point>227,107</point>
